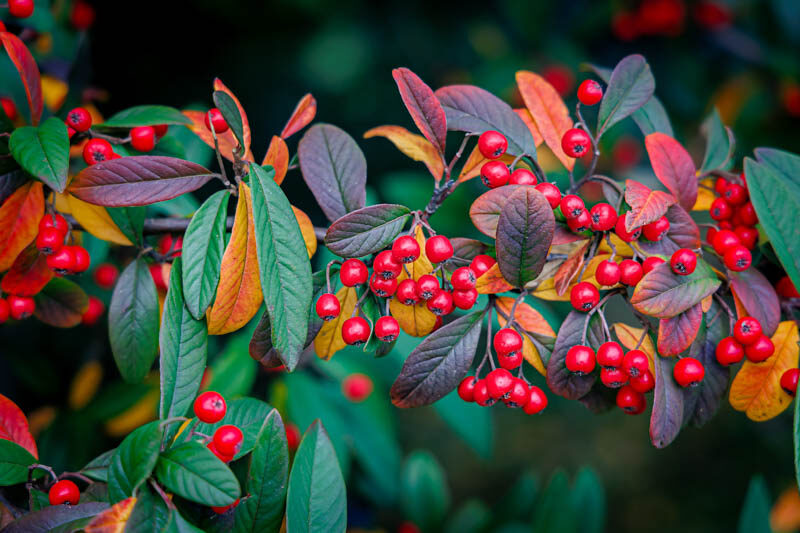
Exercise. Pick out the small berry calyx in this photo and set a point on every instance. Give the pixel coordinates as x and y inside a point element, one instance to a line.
<point>64,492</point>
<point>589,92</point>
<point>214,118</point>
<point>603,216</point>
<point>387,329</point>
<point>463,278</point>
<point>428,286</point>
<point>572,206</point>
<point>747,330</point>
<point>355,331</point>
<point>210,407</point>
<point>492,144</point>
<point>635,363</point>
<point>96,151</point>
<point>49,240</point>
<point>405,249</point>
<point>228,439</point>
<point>737,258</point>
<point>584,296</point>
<point>328,307</point>
<point>613,377</point>
<point>630,400</point>
<point>407,292</point>
<point>441,303</point>
<point>499,382</point>
<point>683,261</point>
<point>688,372</point>
<point>576,142</point>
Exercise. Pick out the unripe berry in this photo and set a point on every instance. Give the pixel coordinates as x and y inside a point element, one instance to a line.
<point>143,138</point>
<point>64,491</point>
<point>353,272</point>
<point>572,206</point>
<point>93,311</point>
<point>650,263</point>
<point>79,119</point>
<point>584,296</point>
<point>441,303</point>
<point>576,142</point>
<point>492,144</point>
<point>387,329</point>
<point>428,286</point>
<point>630,400</point>
<point>610,354</point>
<point>214,118</point>
<point>683,261</point>
<point>613,377</point>
<point>537,401</point>
<point>407,292</point>
<point>20,307</point>
<point>728,351</point>
<point>357,387</point>
<point>405,249</point>
<point>522,176</point>
<point>465,299</point>
<point>590,92</point>
<point>327,307</point>
<point>210,407</point>
<point>655,231</point>
<point>603,216</point>
<point>789,381</point>
<point>737,258</point>
<point>760,350</point>
<point>747,330</point>
<point>622,233</point>
<point>499,382</point>
<point>463,278</point>
<point>466,389</point>
<point>355,331</point>
<point>580,360</point>
<point>507,342</point>
<point>635,363</point>
<point>495,174</point>
<point>608,273</point>
<point>551,193</point>
<point>481,264</point>
<point>382,287</point>
<point>228,439</point>
<point>96,151</point>
<point>644,382</point>
<point>631,272</point>
<point>49,240</point>
<point>438,249</point>
<point>688,372</point>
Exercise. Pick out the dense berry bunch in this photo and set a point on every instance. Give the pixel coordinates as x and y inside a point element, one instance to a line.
<point>735,234</point>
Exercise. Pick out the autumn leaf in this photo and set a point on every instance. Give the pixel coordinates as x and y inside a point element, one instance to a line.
<point>527,118</point>
<point>307,230</point>
<point>412,145</point>
<point>646,204</point>
<point>96,220</point>
<point>114,519</point>
<point>219,86</point>
<point>28,72</point>
<point>29,273</point>
<point>531,321</point>
<point>278,157</point>
<point>492,282</point>
<point>569,269</point>
<point>227,140</point>
<point>19,221</point>
<point>673,167</point>
<point>676,334</point>
<point>629,337</point>
<point>303,114</point>
<point>423,106</point>
<point>329,339</point>
<point>663,294</point>
<point>704,195</point>
<point>472,166</point>
<point>14,426</point>
<point>546,289</point>
<point>416,320</point>
<point>548,110</point>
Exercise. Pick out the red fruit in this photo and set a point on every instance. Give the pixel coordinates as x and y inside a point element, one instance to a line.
<point>465,299</point>
<point>507,342</point>
<point>522,176</point>
<point>327,307</point>
<point>624,234</point>
<point>635,363</point>
<point>650,263</point>
<point>105,275</point>
<point>747,215</point>
<point>720,210</point>
<point>481,394</point>
<point>226,508</point>
<point>97,151</point>
<point>407,292</point>
<point>723,240</point>
<point>492,144</point>
<point>729,351</point>
<point>49,240</point>
<point>551,192</point>
<point>71,132</point>
<point>572,206</point>
<point>735,194</point>
<point>631,272</point>
<point>576,142</point>
<point>158,276</point>
<point>143,138</point>
<point>688,372</point>
<point>441,304</point>
<point>759,351</point>
<point>747,330</point>
<point>584,296</point>
<point>82,259</point>
<point>560,77</point>
<point>353,272</point>
<point>737,258</point>
<point>495,174</point>
<point>613,377</point>
<point>466,389</point>
<point>228,439</point>
<point>214,118</point>
<point>5,311</point>
<point>64,491</point>
<point>292,436</point>
<point>428,286</point>
<point>630,400</point>
<point>608,273</point>
<point>8,105</point>
<point>655,231</point>
<point>221,456</point>
<point>438,248</point>
<point>510,361</point>
<point>387,329</point>
<point>603,216</point>
<point>357,387</point>
<point>645,382</point>
<point>537,401</point>
<point>63,261</point>
<point>161,130</point>
<point>499,382</point>
<point>581,223</point>
<point>747,235</point>
<point>405,249</point>
<point>210,407</point>
<point>168,244</point>
<point>481,264</point>
<point>79,119</point>
<point>463,278</point>
<point>518,395</point>
<point>789,381</point>
<point>81,16</point>
<point>589,92</point>
<point>93,312</point>
<point>386,266</point>
<point>355,331</point>
<point>711,232</point>
<point>610,355</point>
<point>382,287</point>
<point>786,289</point>
<point>683,261</point>
<point>580,360</point>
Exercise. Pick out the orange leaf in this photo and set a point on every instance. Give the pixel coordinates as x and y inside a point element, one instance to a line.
<point>646,204</point>
<point>28,72</point>
<point>301,117</point>
<point>785,514</point>
<point>278,157</point>
<point>29,273</point>
<point>14,426</point>
<point>530,320</point>
<point>416,320</point>
<point>492,282</point>
<point>472,167</point>
<point>113,519</point>
<point>143,411</point>
<point>329,339</point>
<point>547,291</point>
<point>96,220</point>
<point>756,389</point>
<point>629,337</point>
<point>219,86</point>
<point>548,110</point>
<point>623,248</point>
<point>527,118</point>
<point>19,221</point>
<point>307,230</point>
<point>412,145</point>
<point>569,269</point>
<point>239,291</point>
<point>704,196</point>
<point>227,141</point>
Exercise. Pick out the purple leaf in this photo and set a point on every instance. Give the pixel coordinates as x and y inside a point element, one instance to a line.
<point>667,416</point>
<point>559,379</point>
<point>423,106</point>
<point>683,233</point>
<point>758,298</point>
<point>630,86</point>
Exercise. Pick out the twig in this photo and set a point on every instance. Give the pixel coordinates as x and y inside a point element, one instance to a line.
<point>223,173</point>
<point>163,495</point>
<point>457,156</point>
<point>328,273</point>
<point>721,302</point>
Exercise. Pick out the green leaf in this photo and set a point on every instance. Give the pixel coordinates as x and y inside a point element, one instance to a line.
<point>230,112</point>
<point>146,115</point>
<point>366,230</point>
<point>61,303</point>
<point>184,347</point>
<point>203,246</point>
<point>469,421</point>
<point>589,501</point>
<point>43,151</point>
<point>754,516</point>
<point>266,481</point>
<point>247,414</point>
<point>192,471</point>
<point>719,143</point>
<point>130,221</point>
<point>133,321</point>
<point>178,524</point>
<point>283,264</point>
<point>149,513</point>
<point>97,468</point>
<point>133,461</point>
<point>663,294</point>
<point>14,462</point>
<point>316,500</point>
<point>425,497</point>
<point>630,86</point>
<point>472,517</point>
<point>554,510</point>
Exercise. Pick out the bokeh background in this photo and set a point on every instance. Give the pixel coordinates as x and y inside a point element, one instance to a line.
<point>738,55</point>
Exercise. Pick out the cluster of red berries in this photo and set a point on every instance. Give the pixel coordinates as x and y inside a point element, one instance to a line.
<point>167,245</point>
<point>747,340</point>
<point>736,219</point>
<point>61,258</point>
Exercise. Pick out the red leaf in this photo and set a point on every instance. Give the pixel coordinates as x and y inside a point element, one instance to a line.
<point>673,167</point>
<point>423,106</point>
<point>646,204</point>
<point>29,273</point>
<point>569,269</point>
<point>28,73</point>
<point>278,157</point>
<point>758,297</point>
<point>301,117</point>
<point>61,304</point>
<point>14,426</point>
<point>19,221</point>
<point>676,334</point>
<point>548,111</point>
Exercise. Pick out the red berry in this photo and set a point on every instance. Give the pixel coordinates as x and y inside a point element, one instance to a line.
<point>499,382</point>
<point>228,439</point>
<point>441,304</point>
<point>49,240</point>
<point>522,176</point>
<point>683,261</point>
<point>688,372</point>
<point>584,296</point>
<point>79,119</point>
<point>64,491</point>
<point>357,387</point>
<point>635,363</point>
<point>723,240</point>
<point>650,263</point>
<point>82,259</point>
<point>168,244</point>
<point>747,214</point>
<point>572,206</point>
<point>729,351</point>
<point>292,436</point>
<point>481,264</point>
<point>214,118</point>
<point>495,174</point>
<point>428,286</point>
<point>738,258</point>
<point>507,342</point>
<point>603,216</point>
<point>613,377</point>
<point>580,360</point>
<point>655,231</point>
<point>105,275</point>
<point>63,261</point>
<point>608,273</point>
<point>492,144</point>
<point>510,361</point>
<point>405,249</point>
<point>81,16</point>
<point>789,381</point>
<point>735,194</point>
<point>143,138</point>
<point>720,185</point>
<point>786,289</point>
<point>481,394</point>
<point>355,331</point>
<point>221,456</point>
<point>328,307</point>
<point>758,351</point>
<point>711,232</point>
<point>224,509</point>
<point>21,9</point>
<point>93,312</point>
<point>438,248</point>
<point>387,329</point>
<point>581,223</point>
<point>463,278</point>
<point>631,272</point>
<point>382,287</point>
<point>386,266</point>
<point>644,382</point>
<point>576,142</point>
<point>210,407</point>
<point>622,233</point>
<point>8,105</point>
<point>466,389</point>
<point>407,292</point>
<point>158,276</point>
<point>720,210</point>
<point>537,401</point>
<point>630,400</point>
<point>161,129</point>
<point>747,330</point>
<point>353,272</point>
<point>551,193</point>
<point>97,151</point>
<point>590,92</point>
<point>610,355</point>
<point>465,299</point>
<point>747,235</point>
<point>518,395</point>
<point>5,311</point>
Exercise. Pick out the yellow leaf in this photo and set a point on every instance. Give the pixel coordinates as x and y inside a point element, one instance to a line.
<point>422,265</point>
<point>629,337</point>
<point>329,339</point>
<point>704,196</point>
<point>239,294</point>
<point>622,247</point>
<point>492,282</point>
<point>54,91</point>
<point>756,389</point>
<point>307,229</point>
<point>527,118</point>
<point>416,320</point>
<point>412,145</point>
<point>547,291</point>
<point>62,203</point>
<point>139,413</point>
<point>85,383</point>
<point>530,320</point>
<point>113,519</point>
<point>96,220</point>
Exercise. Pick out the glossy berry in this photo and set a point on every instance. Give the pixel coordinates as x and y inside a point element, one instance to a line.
<point>327,307</point>
<point>510,361</point>
<point>8,105</point>
<point>688,372</point>
<point>428,286</point>
<point>405,249</point>
<point>105,275</point>
<point>292,436</point>
<point>624,234</point>
<point>655,231</point>
<point>221,456</point>
<point>20,307</point>
<point>82,259</point>
<point>603,216</point>
<point>551,193</point>
<point>630,272</point>
<point>724,240</point>
<point>610,355</point>
<point>210,407</point>
<point>407,292</point>
<point>495,174</point>
<point>79,119</point>
<point>438,249</point>
<point>584,296</point>
<point>735,194</point>
<point>729,351</point>
<point>355,331</point>
<point>5,311</point>
<point>465,299</point>
<point>463,278</point>
<point>225,508</point>
<point>720,210</point>
<point>507,342</point>
<point>381,286</point>
<point>481,264</point>
<point>760,350</point>
<point>581,223</point>
<point>522,176</point>
<point>747,236</point>
<point>357,387</point>
<point>386,266</point>
<point>160,130</point>
<point>387,329</point>
<point>157,273</point>
<point>96,151</point>
<point>580,360</point>
<point>608,273</point>
<point>518,396</point>
<point>143,138</point>
<point>737,258</point>
<point>81,16</point>
<point>49,240</point>
<point>650,263</point>
<point>93,312</point>
<point>441,303</point>
<point>635,363</point>
<point>64,491</point>
<point>63,261</point>
<point>683,261</point>
<point>481,394</point>
<point>492,144</point>
<point>214,118</point>
<point>630,400</point>
<point>228,439</point>
<point>747,214</point>
<point>644,382</point>
<point>747,330</point>
<point>353,272</point>
<point>466,389</point>
<point>499,382</point>
<point>720,185</point>
<point>572,206</point>
<point>590,92</point>
<point>537,401</point>
<point>576,142</point>
<point>613,377</point>
<point>789,381</point>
